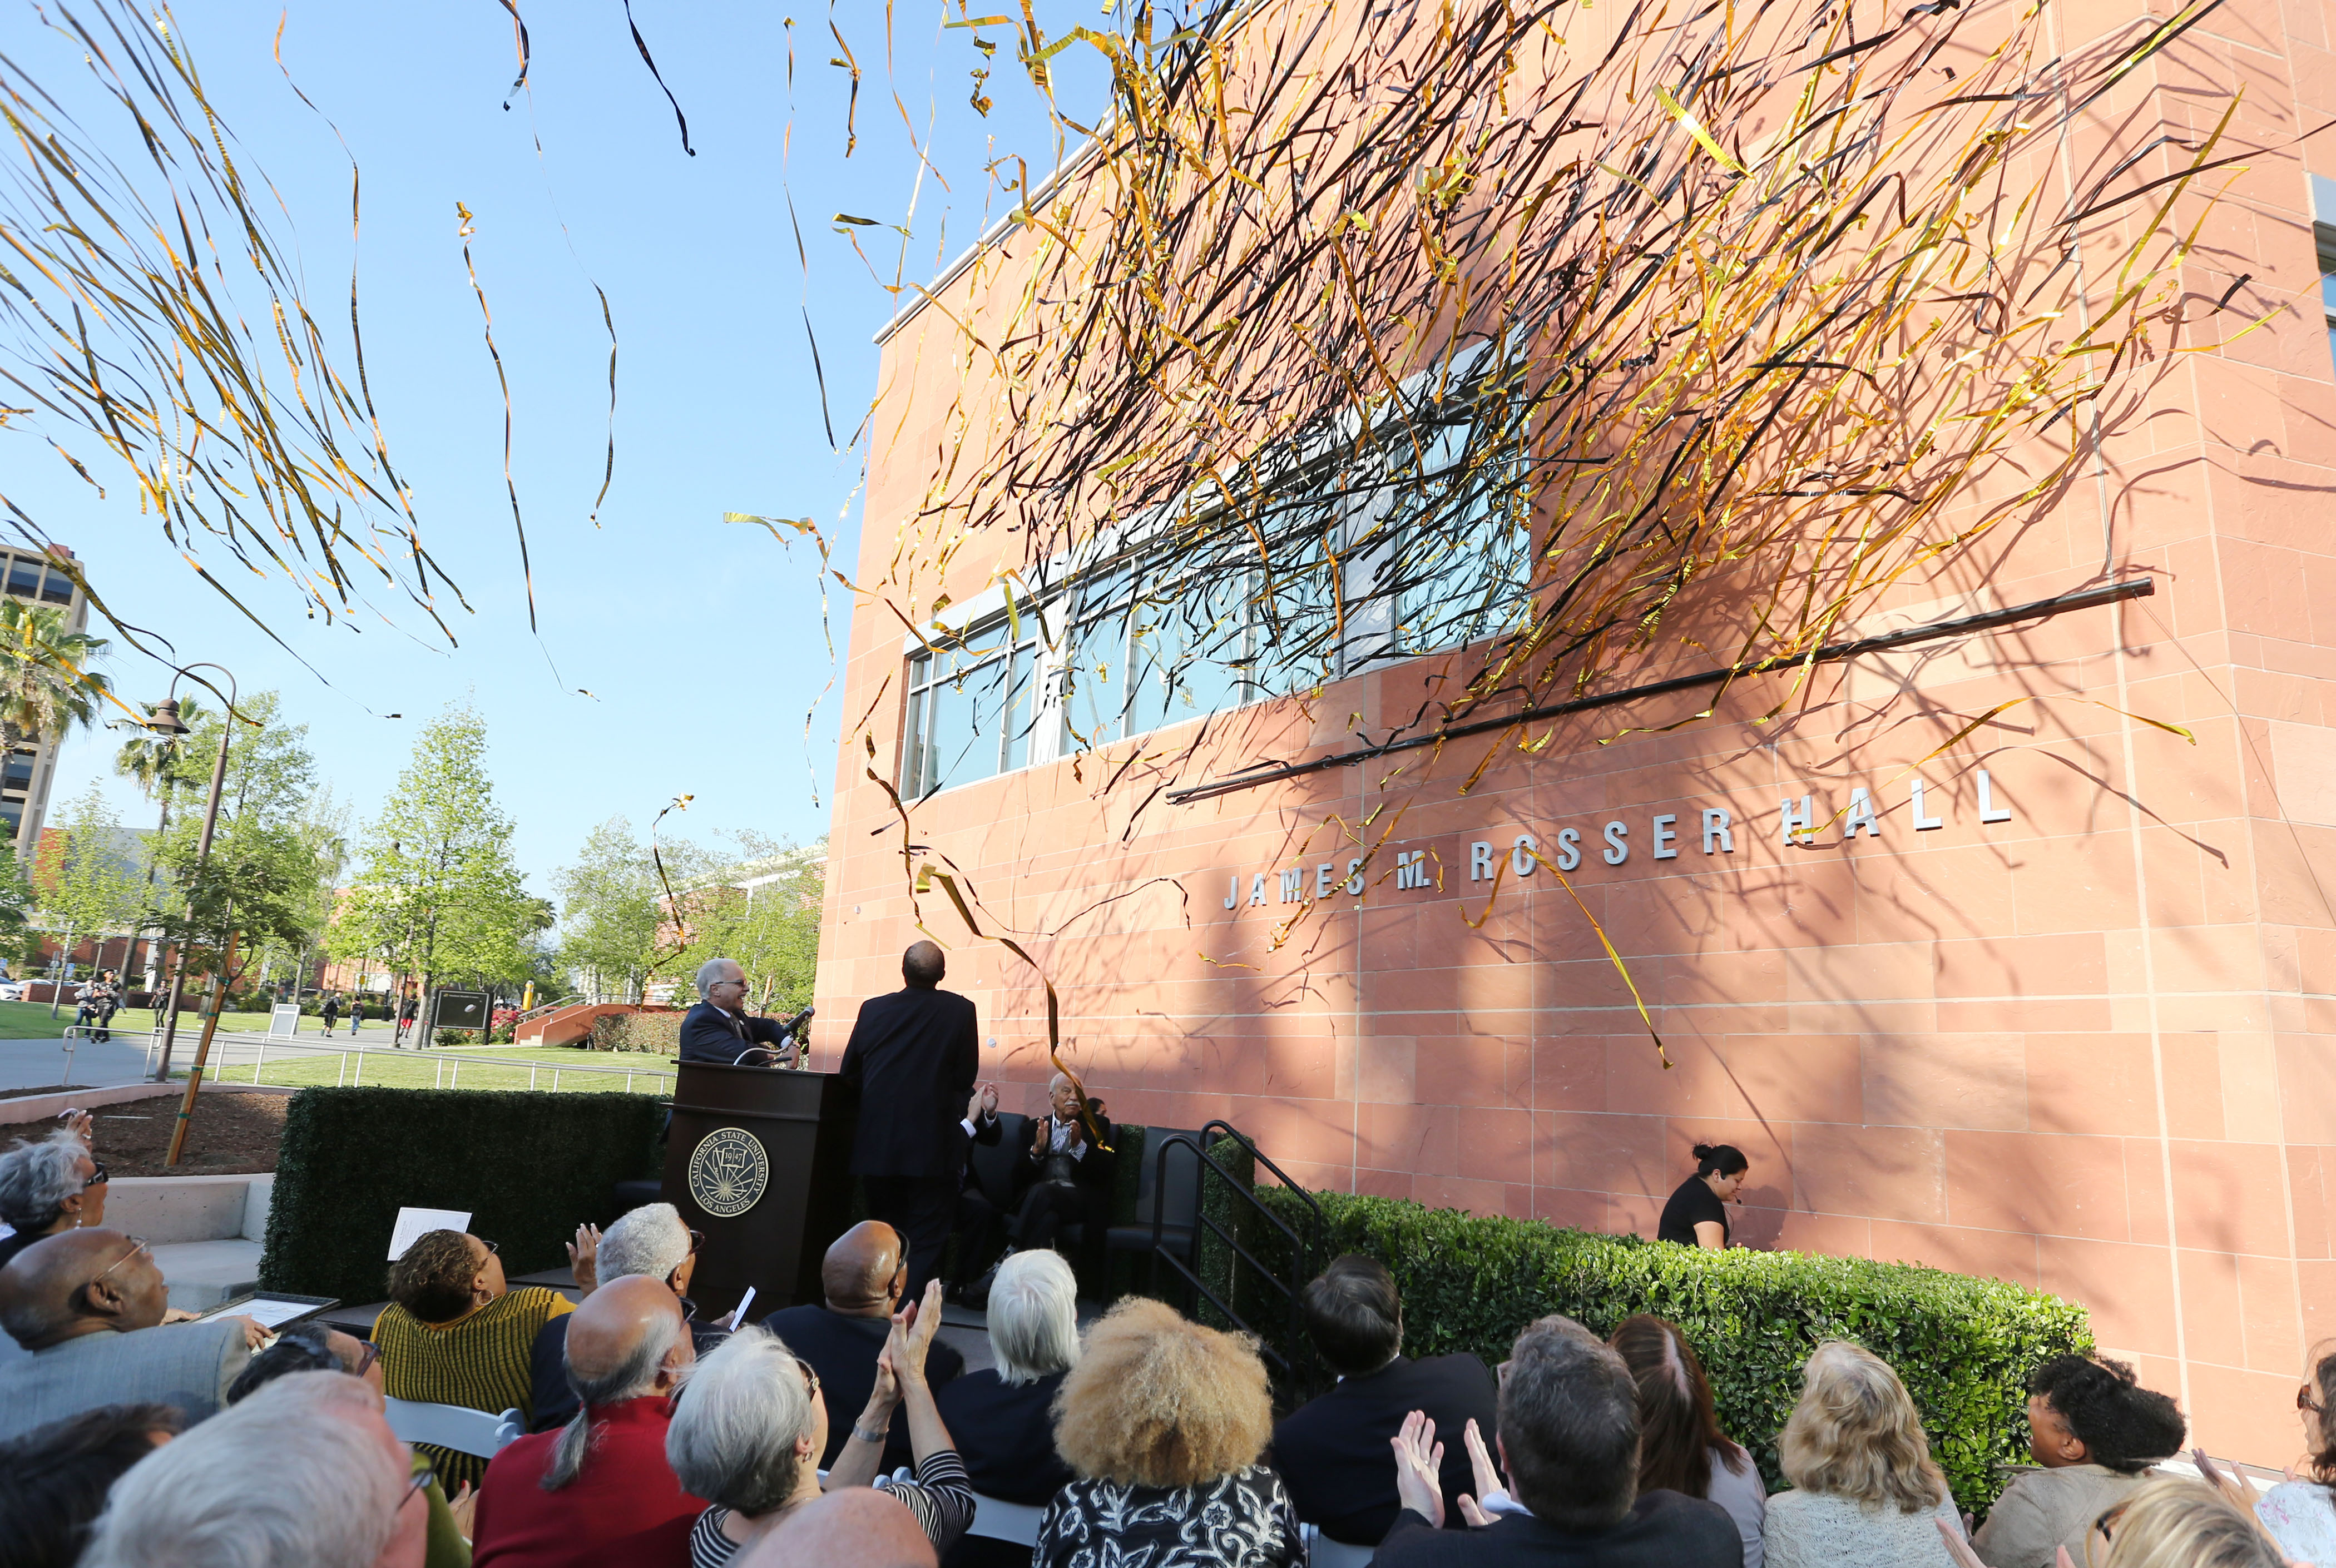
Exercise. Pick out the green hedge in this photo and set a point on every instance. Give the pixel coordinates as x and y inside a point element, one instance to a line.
<point>528,1167</point>
<point>1965,1346</point>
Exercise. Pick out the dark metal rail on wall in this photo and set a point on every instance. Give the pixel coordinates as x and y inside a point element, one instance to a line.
<point>1292,1366</point>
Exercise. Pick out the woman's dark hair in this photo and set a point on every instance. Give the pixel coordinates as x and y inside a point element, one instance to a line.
<point>1725,1158</point>
<point>432,1279</point>
<point>54,1478</point>
<point>2122,1425</point>
<point>1355,1314</point>
<point>301,1347</point>
<point>2323,1379</point>
<point>1677,1428</point>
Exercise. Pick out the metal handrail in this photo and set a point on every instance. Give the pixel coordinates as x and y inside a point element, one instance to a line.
<point>541,1008</point>
<point>1301,1247</point>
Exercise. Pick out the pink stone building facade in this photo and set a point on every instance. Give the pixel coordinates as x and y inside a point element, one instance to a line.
<point>2066,1016</point>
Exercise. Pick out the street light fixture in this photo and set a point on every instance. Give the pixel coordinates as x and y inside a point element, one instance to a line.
<point>166,722</point>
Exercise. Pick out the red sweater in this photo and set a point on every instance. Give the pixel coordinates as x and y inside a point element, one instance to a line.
<point>623,1510</point>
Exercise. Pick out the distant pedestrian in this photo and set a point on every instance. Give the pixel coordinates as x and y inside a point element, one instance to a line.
<point>356,1015</point>
<point>332,1012</point>
<point>109,1003</point>
<point>406,1014</point>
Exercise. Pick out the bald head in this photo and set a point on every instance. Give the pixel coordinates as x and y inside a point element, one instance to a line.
<point>79,1281</point>
<point>922,965</point>
<point>856,1527</point>
<point>863,1271</point>
<point>628,1339</point>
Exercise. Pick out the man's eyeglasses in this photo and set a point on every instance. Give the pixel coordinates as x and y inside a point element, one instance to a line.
<point>696,1240</point>
<point>364,1362</point>
<point>136,1246</point>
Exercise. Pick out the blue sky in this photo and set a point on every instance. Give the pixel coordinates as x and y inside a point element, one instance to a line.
<point>701,641</point>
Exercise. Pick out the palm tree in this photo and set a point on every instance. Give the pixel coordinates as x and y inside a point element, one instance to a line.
<point>157,763</point>
<point>47,684</point>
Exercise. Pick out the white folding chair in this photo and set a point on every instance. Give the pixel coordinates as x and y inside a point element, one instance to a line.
<point>997,1521</point>
<point>456,1427</point>
<point>1321,1552</point>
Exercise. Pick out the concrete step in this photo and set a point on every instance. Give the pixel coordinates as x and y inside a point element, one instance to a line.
<point>210,1208</point>
<point>202,1274</point>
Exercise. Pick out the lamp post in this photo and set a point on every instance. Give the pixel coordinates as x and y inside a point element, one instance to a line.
<point>166,722</point>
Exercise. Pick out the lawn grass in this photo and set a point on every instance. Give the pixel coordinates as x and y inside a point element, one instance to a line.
<point>515,1067</point>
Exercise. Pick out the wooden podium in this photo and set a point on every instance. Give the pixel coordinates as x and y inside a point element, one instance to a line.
<point>760,1159</point>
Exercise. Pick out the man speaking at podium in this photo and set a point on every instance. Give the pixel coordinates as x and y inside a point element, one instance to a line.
<point>913,1056</point>
<point>718,1028</point>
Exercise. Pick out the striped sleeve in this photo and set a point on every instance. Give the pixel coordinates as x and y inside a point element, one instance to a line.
<point>941,1497</point>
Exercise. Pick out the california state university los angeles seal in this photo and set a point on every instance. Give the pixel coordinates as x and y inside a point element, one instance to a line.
<point>728,1170</point>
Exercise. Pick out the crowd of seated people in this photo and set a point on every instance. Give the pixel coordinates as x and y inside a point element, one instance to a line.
<point>847,1432</point>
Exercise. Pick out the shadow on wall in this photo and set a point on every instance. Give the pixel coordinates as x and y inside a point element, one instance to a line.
<point>1759,1220</point>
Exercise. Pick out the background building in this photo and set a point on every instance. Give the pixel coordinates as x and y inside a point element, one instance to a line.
<point>33,577</point>
<point>1981,963</point>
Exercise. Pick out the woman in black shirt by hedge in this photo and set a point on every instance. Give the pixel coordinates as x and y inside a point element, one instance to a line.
<point>1697,1215</point>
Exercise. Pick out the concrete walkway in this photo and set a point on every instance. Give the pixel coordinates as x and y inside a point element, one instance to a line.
<point>35,1064</point>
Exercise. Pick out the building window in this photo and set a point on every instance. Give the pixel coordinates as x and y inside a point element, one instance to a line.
<point>2325,235</point>
<point>1386,549</point>
<point>971,709</point>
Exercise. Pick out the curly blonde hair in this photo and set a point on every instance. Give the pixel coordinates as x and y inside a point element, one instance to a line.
<point>1156,1400</point>
<point>1856,1434</point>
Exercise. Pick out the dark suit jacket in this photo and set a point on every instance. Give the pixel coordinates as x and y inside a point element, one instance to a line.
<point>1006,1439</point>
<point>842,1351</point>
<point>1663,1530</point>
<point>1005,1435</point>
<point>553,1397</point>
<point>985,1133</point>
<point>1332,1452</point>
<point>913,1058</point>
<point>709,1034</point>
<point>1095,1169</point>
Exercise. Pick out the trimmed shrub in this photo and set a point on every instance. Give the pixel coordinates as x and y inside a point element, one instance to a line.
<point>529,1168</point>
<point>1964,1345</point>
<point>658,1032</point>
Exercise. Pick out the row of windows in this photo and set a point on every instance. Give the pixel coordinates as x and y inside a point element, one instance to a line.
<point>1390,552</point>
<point>30,577</point>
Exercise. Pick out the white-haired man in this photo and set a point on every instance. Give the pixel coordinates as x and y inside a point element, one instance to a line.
<point>649,1241</point>
<point>304,1473</point>
<point>719,1029</point>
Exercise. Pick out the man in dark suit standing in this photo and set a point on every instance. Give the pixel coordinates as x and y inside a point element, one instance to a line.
<point>1331,1451</point>
<point>913,1058</point>
<point>719,1030</point>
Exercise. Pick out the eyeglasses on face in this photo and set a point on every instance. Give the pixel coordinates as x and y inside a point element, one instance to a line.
<point>96,1174</point>
<point>2306,1400</point>
<point>372,1353</point>
<point>696,1240</point>
<point>136,1246</point>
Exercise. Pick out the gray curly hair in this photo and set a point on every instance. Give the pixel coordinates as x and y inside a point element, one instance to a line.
<point>35,1179</point>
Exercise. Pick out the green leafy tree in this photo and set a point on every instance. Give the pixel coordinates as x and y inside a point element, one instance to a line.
<point>762,910</point>
<point>609,913</point>
<point>92,881</point>
<point>436,893</point>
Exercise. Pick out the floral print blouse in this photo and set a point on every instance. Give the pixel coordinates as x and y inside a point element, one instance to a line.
<point>1243,1520</point>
